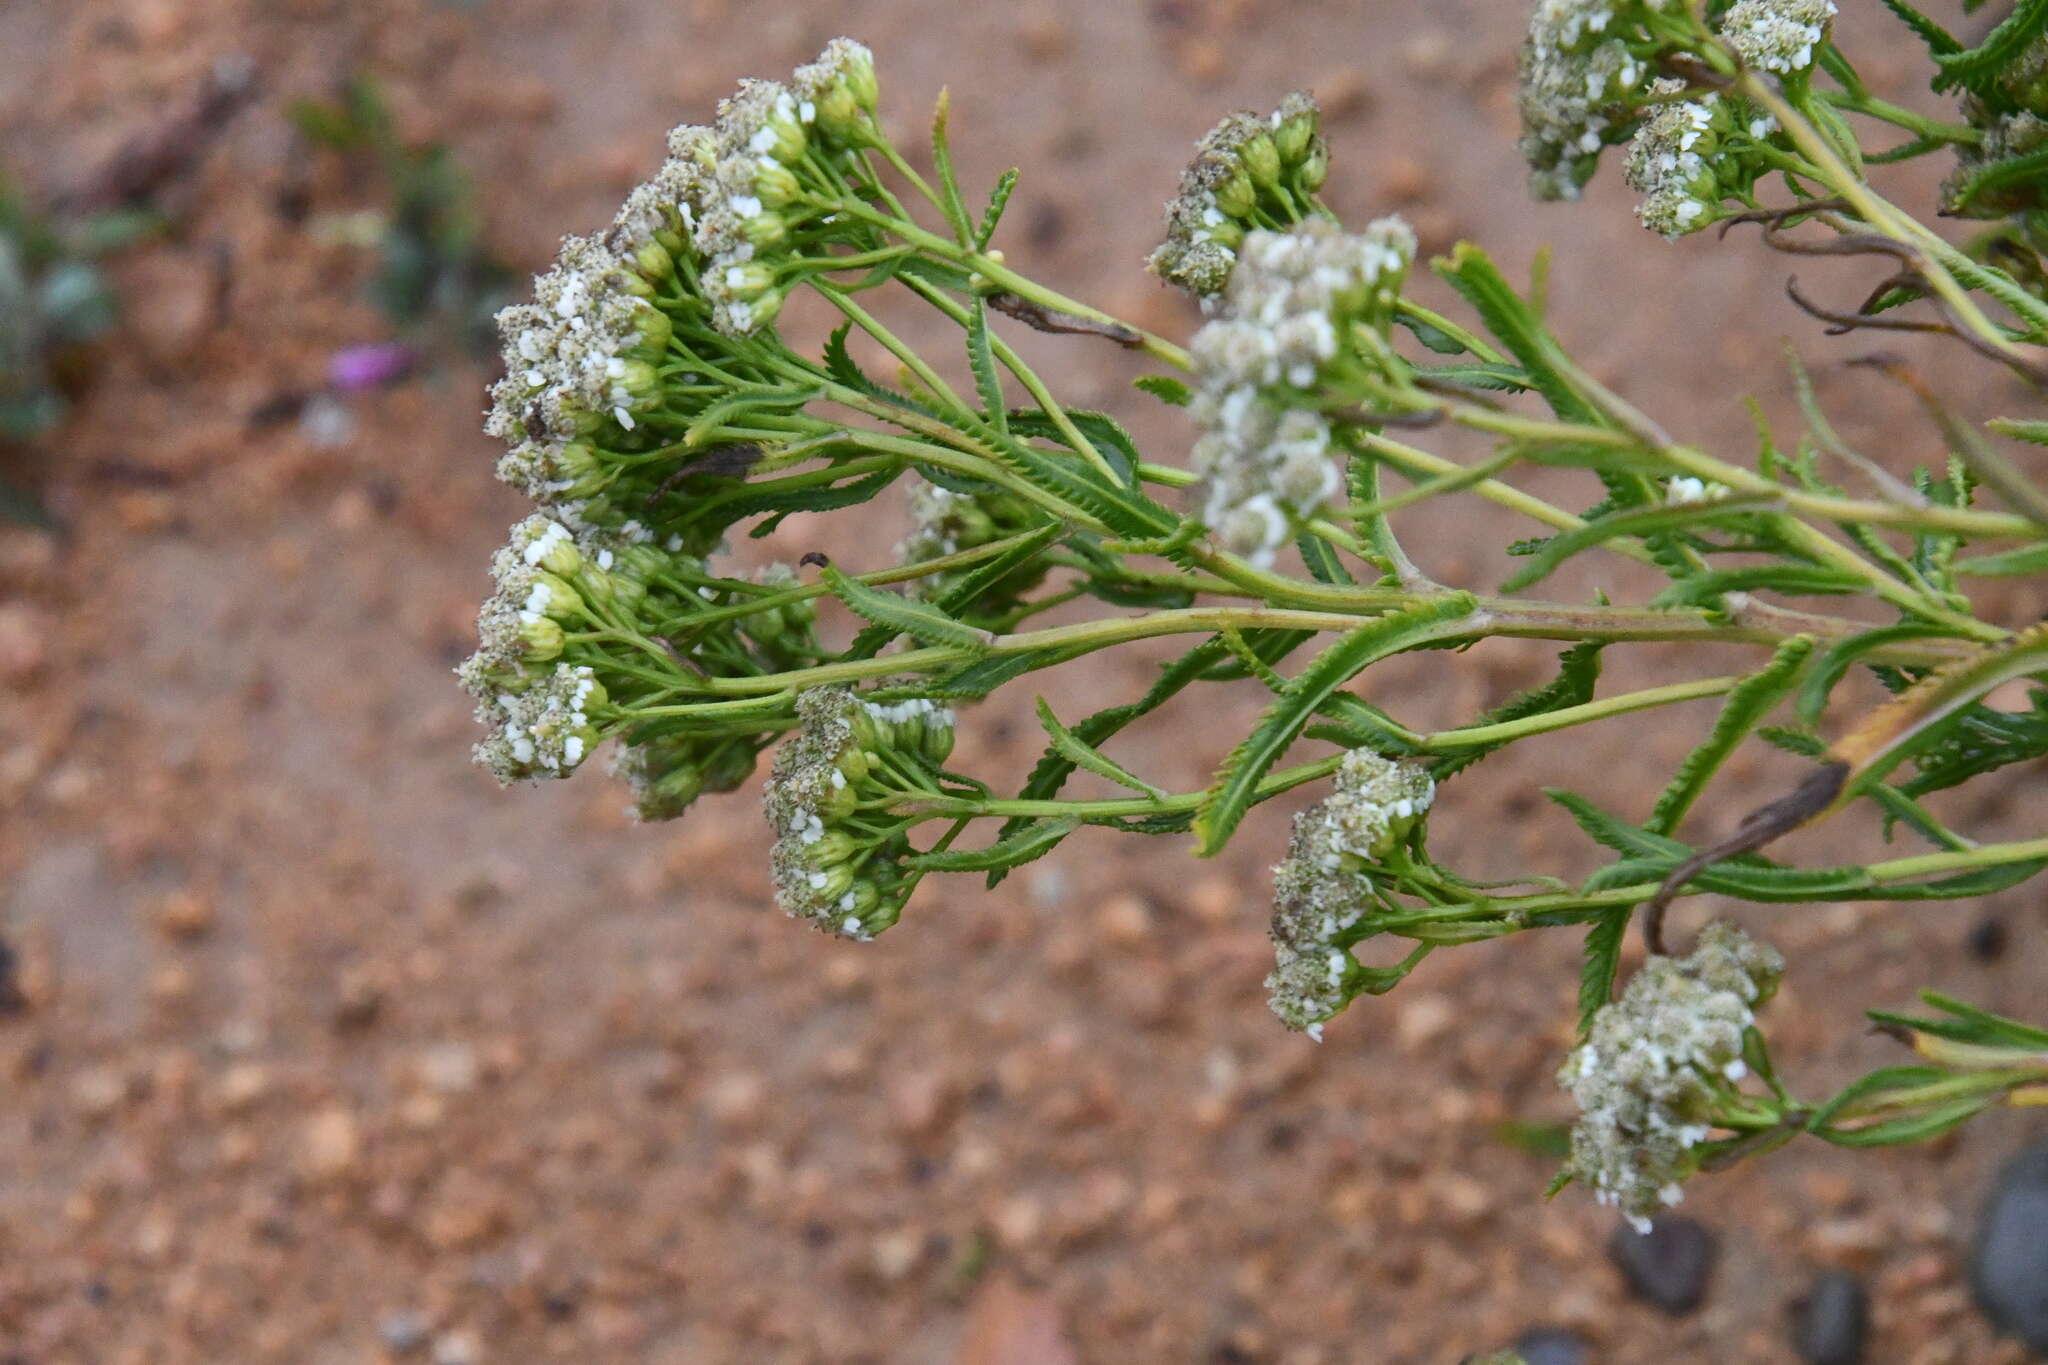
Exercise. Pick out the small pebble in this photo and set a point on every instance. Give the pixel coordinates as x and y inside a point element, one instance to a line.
<point>2009,1263</point>
<point>1667,1267</point>
<point>403,1332</point>
<point>1553,1346</point>
<point>1831,1321</point>
<point>1987,939</point>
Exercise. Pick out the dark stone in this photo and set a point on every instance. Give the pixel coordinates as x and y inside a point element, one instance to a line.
<point>1667,1267</point>
<point>1553,1346</point>
<point>1987,939</point>
<point>1830,1322</point>
<point>2009,1263</point>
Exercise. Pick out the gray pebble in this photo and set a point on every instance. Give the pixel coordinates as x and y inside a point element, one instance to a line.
<point>1830,1323</point>
<point>2009,1264</point>
<point>1553,1346</point>
<point>1668,1266</point>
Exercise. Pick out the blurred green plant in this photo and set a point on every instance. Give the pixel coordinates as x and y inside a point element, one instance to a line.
<point>653,409</point>
<point>434,273</point>
<point>54,301</point>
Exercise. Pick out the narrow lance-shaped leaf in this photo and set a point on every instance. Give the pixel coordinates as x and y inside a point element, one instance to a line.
<point>921,621</point>
<point>1085,755</point>
<point>981,357</point>
<point>1035,841</point>
<point>998,200</point>
<point>1748,704</point>
<point>1231,795</point>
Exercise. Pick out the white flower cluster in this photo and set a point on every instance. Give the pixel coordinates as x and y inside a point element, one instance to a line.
<point>1579,84</point>
<point>1682,490</point>
<point>1243,165</point>
<point>1322,890</point>
<point>1285,315</point>
<point>1655,1064</point>
<point>544,731</point>
<point>751,162</point>
<point>581,355</point>
<point>1777,35</point>
<point>824,872</point>
<point>1670,162</point>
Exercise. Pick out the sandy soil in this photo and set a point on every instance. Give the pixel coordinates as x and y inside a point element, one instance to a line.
<point>332,1052</point>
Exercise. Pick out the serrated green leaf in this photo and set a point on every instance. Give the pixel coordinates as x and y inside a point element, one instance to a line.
<point>1087,756</point>
<point>1601,963</point>
<point>921,621</point>
<point>1751,700</point>
<point>1939,40</point>
<point>726,410</point>
<point>981,358</point>
<point>1231,794</point>
<point>1645,521</point>
<point>1039,839</point>
<point>1839,657</point>
<point>1165,388</point>
<point>1517,325</point>
<point>1978,68</point>
<point>998,200</point>
<point>840,365</point>
<point>1794,580</point>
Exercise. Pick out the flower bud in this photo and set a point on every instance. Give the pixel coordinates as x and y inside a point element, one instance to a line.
<point>834,847</point>
<point>774,183</point>
<point>749,279</point>
<point>1236,196</point>
<point>638,381</point>
<point>549,546</point>
<point>828,884</point>
<point>853,764</point>
<point>782,134</point>
<point>840,117</point>
<point>1261,160</point>
<point>649,335</point>
<point>538,640</point>
<point>765,230</point>
<point>764,627</point>
<point>1315,166</point>
<point>857,70</point>
<point>549,596</point>
<point>654,260</point>
<point>1294,134</point>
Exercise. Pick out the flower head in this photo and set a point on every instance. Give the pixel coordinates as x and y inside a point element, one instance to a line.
<point>1655,1065</point>
<point>1246,169</point>
<point>1265,449</point>
<point>1777,35</point>
<point>1324,890</point>
<point>1672,162</point>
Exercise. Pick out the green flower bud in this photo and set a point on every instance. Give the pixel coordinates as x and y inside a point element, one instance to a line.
<point>857,69</point>
<point>550,596</point>
<point>1292,138</point>
<point>1261,160</point>
<point>1227,233</point>
<point>828,884</point>
<point>1236,197</point>
<point>547,545</point>
<point>617,588</point>
<point>764,627</point>
<point>782,135</point>
<point>640,562</point>
<point>1315,166</point>
<point>749,279</point>
<point>837,846</point>
<point>539,640</point>
<point>937,738</point>
<point>650,335</point>
<point>871,732</point>
<point>765,309</point>
<point>853,764</point>
<point>766,230</point>
<point>639,381</point>
<point>841,118</point>
<point>774,183</point>
<point>653,261</point>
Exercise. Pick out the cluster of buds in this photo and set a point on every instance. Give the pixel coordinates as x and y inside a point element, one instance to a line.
<point>1589,80</point>
<point>1586,69</point>
<point>1658,1064</point>
<point>836,862</point>
<point>944,521</point>
<point>1993,178</point>
<point>1287,327</point>
<point>547,689</point>
<point>1248,173</point>
<point>773,145</point>
<point>1324,889</point>
<point>1675,161</point>
<point>1779,36</point>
